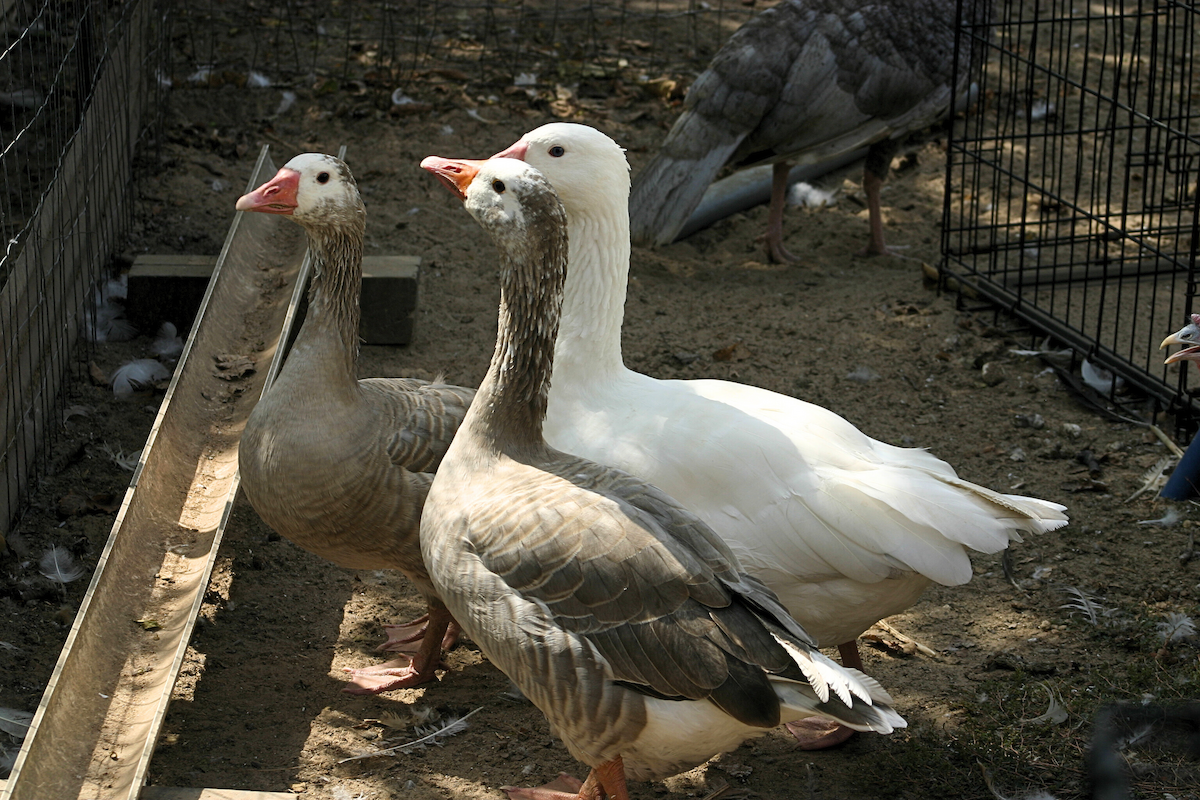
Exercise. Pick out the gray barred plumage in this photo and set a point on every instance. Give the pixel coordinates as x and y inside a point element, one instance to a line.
<point>341,466</point>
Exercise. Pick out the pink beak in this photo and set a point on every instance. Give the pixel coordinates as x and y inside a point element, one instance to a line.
<point>516,151</point>
<point>455,174</point>
<point>276,196</point>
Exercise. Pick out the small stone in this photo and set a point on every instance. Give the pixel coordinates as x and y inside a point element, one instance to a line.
<point>993,374</point>
<point>1035,421</point>
<point>1017,454</point>
<point>1071,430</point>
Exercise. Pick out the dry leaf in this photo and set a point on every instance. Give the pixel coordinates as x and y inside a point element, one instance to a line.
<point>97,375</point>
<point>734,352</point>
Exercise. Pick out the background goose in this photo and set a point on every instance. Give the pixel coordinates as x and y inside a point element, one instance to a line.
<point>339,465</point>
<point>803,82</point>
<point>845,529</point>
<point>622,616</point>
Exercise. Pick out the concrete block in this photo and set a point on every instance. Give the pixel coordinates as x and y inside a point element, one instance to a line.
<point>169,288</point>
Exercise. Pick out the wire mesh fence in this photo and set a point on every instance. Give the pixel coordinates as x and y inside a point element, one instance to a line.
<point>402,48</point>
<point>79,80</point>
<point>74,78</point>
<point>1072,180</point>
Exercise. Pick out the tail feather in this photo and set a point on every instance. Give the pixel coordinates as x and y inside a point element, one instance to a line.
<point>668,189</point>
<point>841,693</point>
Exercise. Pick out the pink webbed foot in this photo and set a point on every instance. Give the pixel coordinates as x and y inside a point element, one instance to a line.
<point>564,787</point>
<point>399,673</point>
<point>819,733</point>
<point>606,780</point>
<point>405,672</point>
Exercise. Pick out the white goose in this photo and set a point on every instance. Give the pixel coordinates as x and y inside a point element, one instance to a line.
<point>622,616</point>
<point>845,529</point>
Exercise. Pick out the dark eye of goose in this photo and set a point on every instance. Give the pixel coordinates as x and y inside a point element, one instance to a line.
<point>323,177</point>
<point>557,151</point>
<point>498,186</point>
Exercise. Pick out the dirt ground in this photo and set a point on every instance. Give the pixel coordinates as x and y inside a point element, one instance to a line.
<point>1000,697</point>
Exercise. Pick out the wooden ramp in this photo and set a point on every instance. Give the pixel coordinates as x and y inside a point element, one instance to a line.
<point>96,726</point>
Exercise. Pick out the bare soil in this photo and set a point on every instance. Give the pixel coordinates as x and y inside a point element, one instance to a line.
<point>258,705</point>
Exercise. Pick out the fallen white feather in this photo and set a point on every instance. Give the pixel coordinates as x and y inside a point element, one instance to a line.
<point>59,565</point>
<point>452,727</point>
<point>285,103</point>
<point>138,375</point>
<point>1055,713</point>
<point>1167,520</point>
<point>1100,379</point>
<point>15,722</point>
<point>806,195</point>
<point>167,344</point>
<point>1176,627</point>
<point>126,462</point>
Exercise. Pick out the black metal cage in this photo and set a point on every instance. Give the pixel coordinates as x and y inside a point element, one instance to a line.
<point>1072,178</point>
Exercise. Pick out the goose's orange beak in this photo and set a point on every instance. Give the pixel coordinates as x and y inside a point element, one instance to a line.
<point>516,151</point>
<point>276,196</point>
<point>455,173</point>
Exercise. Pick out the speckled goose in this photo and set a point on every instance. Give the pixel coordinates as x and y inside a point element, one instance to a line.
<point>621,615</point>
<point>339,465</point>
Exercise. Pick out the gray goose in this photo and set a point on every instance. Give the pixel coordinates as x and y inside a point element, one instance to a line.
<point>845,529</point>
<point>338,465</point>
<point>618,613</point>
<point>805,81</point>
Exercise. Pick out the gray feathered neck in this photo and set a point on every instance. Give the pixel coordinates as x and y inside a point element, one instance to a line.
<point>533,270</point>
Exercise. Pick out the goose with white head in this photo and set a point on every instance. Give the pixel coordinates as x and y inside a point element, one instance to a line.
<point>338,465</point>
<point>622,616</point>
<point>845,529</point>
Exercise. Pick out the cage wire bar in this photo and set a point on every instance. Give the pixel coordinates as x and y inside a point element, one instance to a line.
<point>1071,196</point>
<point>74,79</point>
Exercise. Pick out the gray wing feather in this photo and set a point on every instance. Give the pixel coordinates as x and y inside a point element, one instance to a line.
<point>422,416</point>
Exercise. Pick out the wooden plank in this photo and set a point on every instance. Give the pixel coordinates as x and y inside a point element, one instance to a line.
<point>172,793</point>
<point>50,279</point>
<point>95,728</point>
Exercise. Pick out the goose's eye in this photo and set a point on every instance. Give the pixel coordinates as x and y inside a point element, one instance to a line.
<point>498,186</point>
<point>557,151</point>
<point>323,177</point>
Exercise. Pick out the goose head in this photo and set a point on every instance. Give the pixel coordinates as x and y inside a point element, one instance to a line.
<point>586,167</point>
<point>312,188</point>
<point>510,199</point>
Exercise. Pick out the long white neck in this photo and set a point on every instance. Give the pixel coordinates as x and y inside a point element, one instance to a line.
<point>589,338</point>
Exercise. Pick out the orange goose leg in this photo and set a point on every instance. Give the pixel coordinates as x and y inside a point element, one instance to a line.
<point>400,638</point>
<point>404,672</point>
<point>872,185</point>
<point>604,781</point>
<point>773,238</point>
<point>820,733</point>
